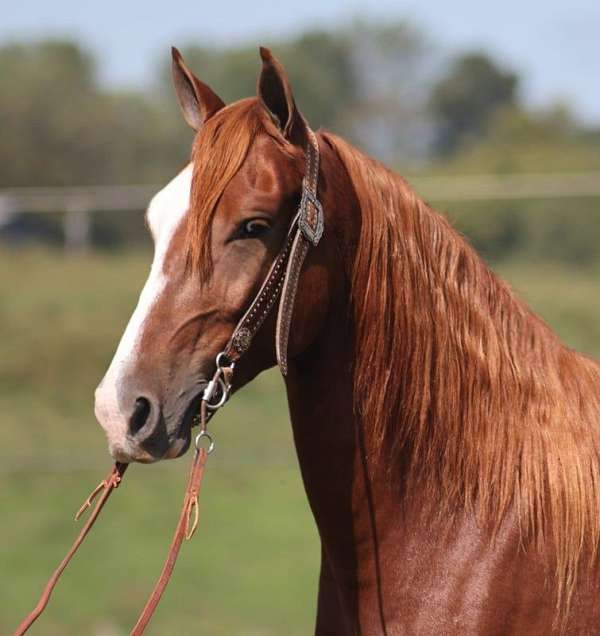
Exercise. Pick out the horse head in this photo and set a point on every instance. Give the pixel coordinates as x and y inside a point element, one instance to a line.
<point>217,228</point>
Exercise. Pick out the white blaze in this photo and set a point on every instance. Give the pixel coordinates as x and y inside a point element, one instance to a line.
<point>165,213</point>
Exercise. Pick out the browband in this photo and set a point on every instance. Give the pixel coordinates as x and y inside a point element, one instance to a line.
<point>305,230</point>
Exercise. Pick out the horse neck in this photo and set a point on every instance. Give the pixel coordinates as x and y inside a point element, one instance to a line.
<point>331,441</point>
<point>330,447</point>
<point>469,405</point>
<point>355,506</point>
<point>367,511</point>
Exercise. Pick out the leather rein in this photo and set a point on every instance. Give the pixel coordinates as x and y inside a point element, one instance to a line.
<point>281,282</point>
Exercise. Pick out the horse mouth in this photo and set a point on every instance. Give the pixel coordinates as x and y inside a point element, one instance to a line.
<point>183,436</point>
<point>170,439</point>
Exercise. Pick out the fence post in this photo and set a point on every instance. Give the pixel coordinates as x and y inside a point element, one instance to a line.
<point>77,225</point>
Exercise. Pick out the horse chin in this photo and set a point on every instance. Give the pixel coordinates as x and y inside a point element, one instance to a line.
<point>142,456</point>
<point>128,451</point>
<point>183,436</point>
<point>130,455</point>
<point>178,447</point>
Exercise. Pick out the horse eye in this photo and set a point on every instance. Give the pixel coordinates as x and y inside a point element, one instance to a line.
<point>254,228</point>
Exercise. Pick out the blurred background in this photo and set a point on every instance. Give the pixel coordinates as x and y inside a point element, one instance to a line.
<point>492,112</point>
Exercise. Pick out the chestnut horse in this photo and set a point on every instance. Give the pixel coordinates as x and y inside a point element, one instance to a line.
<point>449,443</point>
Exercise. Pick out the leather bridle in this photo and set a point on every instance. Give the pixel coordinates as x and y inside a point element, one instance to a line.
<point>281,282</point>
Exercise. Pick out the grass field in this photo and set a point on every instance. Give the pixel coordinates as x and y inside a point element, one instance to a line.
<point>252,567</point>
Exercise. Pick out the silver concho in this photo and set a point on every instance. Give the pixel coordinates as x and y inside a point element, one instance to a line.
<point>311,233</point>
<point>242,339</point>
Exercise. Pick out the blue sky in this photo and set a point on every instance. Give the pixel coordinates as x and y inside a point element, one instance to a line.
<point>554,44</point>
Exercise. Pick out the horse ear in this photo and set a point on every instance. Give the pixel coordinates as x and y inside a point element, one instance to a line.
<point>197,100</point>
<point>275,93</point>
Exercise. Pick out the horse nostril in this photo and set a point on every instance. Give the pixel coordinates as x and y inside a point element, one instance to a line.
<point>140,414</point>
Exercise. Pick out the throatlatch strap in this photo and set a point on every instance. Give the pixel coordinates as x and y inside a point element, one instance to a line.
<point>288,297</point>
<point>311,224</point>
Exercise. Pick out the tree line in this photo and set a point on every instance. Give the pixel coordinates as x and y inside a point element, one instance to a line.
<point>383,86</point>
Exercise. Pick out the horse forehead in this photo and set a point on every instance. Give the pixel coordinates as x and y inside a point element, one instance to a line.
<point>170,205</point>
<point>269,171</point>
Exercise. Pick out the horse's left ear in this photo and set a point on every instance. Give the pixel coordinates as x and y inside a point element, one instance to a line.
<point>275,93</point>
<point>197,100</point>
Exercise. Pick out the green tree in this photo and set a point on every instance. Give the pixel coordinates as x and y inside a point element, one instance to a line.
<point>518,140</point>
<point>552,228</point>
<point>59,127</point>
<point>364,80</point>
<point>464,101</point>
<point>318,63</point>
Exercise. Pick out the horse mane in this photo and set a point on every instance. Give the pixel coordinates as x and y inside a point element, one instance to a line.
<point>219,150</point>
<point>460,382</point>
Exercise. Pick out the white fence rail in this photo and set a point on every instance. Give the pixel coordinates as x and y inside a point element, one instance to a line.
<point>508,186</point>
<point>78,203</point>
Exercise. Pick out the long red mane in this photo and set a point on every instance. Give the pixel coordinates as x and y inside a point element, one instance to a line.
<point>219,151</point>
<point>465,387</point>
<point>485,406</point>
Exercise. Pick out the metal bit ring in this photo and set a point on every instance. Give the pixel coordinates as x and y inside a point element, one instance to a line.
<point>198,442</point>
<point>209,394</point>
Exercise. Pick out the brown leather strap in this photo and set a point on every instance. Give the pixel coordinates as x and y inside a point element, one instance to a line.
<point>188,522</point>
<point>286,306</point>
<point>105,487</point>
<point>311,221</point>
<point>305,230</point>
<point>262,304</point>
<point>183,530</point>
<point>311,225</point>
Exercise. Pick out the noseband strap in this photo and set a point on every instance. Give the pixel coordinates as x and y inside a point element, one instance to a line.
<point>306,230</point>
